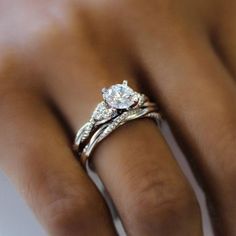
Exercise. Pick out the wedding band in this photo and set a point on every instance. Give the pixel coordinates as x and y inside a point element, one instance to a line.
<point>120,105</point>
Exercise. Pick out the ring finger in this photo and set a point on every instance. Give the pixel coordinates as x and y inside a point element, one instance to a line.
<point>145,183</point>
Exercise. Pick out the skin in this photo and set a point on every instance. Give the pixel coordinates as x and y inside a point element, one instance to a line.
<point>55,56</point>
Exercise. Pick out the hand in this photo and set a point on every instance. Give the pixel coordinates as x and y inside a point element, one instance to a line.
<point>55,56</point>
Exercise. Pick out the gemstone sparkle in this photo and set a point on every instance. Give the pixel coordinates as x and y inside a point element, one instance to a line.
<point>103,112</point>
<point>120,96</point>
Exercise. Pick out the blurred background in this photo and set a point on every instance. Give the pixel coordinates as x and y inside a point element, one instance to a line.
<point>16,219</point>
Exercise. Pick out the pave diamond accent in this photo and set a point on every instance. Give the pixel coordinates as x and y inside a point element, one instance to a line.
<point>87,131</point>
<point>120,96</point>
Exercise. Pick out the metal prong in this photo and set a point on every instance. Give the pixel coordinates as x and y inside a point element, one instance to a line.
<point>125,82</point>
<point>104,90</point>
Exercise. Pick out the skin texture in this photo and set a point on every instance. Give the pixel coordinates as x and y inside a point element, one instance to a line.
<point>55,56</point>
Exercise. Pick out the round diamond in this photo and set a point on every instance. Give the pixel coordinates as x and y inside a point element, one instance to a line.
<point>120,96</point>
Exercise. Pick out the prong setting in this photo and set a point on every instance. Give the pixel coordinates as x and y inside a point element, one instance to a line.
<point>125,82</point>
<point>120,96</point>
<point>104,90</point>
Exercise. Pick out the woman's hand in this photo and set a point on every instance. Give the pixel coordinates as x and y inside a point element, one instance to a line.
<point>55,56</point>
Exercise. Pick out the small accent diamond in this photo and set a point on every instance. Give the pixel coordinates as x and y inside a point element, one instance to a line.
<point>102,111</point>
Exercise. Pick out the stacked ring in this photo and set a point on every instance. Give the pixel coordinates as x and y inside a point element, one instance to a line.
<point>120,105</point>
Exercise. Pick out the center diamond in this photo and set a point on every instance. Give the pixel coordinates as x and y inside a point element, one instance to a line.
<point>120,96</point>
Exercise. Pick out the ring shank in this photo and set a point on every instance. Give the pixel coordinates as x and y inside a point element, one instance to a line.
<point>99,136</point>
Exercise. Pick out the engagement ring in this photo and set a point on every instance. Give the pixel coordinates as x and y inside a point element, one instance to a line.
<point>120,104</point>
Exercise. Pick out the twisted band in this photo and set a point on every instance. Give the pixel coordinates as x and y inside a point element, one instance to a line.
<point>121,104</point>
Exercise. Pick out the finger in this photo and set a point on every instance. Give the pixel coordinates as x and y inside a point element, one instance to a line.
<point>145,183</point>
<point>199,98</point>
<point>36,156</point>
<point>224,35</point>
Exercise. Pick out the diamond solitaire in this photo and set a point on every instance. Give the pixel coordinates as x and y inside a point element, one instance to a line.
<point>120,96</point>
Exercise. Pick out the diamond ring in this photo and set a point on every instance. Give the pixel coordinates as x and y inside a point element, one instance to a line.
<point>120,104</point>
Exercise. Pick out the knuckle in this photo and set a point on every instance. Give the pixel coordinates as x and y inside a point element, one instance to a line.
<point>69,214</point>
<point>61,204</point>
<point>157,203</point>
